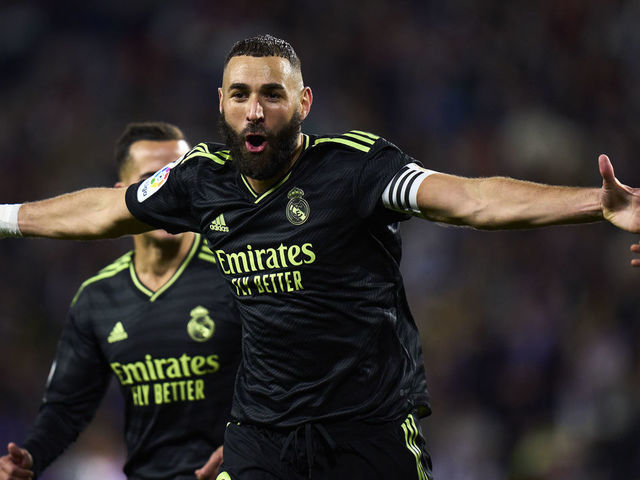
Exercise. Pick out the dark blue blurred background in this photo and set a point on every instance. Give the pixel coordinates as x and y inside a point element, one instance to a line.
<point>530,338</point>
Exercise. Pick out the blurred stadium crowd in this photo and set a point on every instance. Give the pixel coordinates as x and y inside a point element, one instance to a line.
<point>530,338</point>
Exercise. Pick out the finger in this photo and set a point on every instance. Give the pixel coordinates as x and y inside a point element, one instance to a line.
<point>606,169</point>
<point>635,262</point>
<point>16,453</point>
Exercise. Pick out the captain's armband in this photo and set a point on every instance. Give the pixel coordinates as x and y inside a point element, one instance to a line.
<point>401,194</point>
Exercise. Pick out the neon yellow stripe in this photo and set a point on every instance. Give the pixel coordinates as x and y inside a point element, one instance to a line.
<point>210,156</point>
<point>248,186</point>
<point>207,258</point>
<point>409,436</point>
<point>366,134</point>
<point>194,249</point>
<point>205,248</point>
<point>201,150</point>
<point>137,283</point>
<point>101,276</point>
<point>344,141</point>
<point>117,264</point>
<point>108,271</point>
<point>153,296</point>
<point>273,188</point>
<point>362,139</point>
<point>411,444</point>
<point>416,447</point>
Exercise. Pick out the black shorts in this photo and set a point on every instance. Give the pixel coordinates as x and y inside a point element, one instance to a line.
<point>336,452</point>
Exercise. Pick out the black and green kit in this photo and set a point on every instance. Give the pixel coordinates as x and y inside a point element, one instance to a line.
<point>314,264</point>
<point>174,353</point>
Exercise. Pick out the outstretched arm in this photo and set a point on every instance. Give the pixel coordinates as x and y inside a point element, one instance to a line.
<point>506,203</point>
<point>92,213</point>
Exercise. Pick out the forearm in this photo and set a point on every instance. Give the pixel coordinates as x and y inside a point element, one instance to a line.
<point>53,432</point>
<point>92,213</point>
<point>505,203</point>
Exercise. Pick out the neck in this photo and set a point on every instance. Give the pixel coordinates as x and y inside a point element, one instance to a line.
<point>157,261</point>
<point>261,186</point>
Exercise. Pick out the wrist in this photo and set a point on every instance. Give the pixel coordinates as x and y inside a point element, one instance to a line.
<point>9,220</point>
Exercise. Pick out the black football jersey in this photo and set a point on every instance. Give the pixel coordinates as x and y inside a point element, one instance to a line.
<point>314,265</point>
<point>174,353</point>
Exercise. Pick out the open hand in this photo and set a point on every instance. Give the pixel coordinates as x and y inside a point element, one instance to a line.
<point>620,203</point>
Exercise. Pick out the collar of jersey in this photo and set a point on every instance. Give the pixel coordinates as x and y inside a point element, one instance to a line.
<point>153,296</point>
<point>258,197</point>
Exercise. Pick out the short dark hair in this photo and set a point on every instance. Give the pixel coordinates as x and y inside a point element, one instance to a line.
<point>136,131</point>
<point>264,46</point>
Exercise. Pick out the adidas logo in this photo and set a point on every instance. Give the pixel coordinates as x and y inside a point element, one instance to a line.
<point>117,334</point>
<point>219,225</point>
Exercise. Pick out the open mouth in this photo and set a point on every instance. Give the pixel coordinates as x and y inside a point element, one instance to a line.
<point>255,143</point>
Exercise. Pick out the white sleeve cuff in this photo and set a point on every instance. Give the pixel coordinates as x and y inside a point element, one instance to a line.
<point>9,220</point>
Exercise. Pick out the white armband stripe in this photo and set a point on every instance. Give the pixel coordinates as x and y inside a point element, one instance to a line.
<point>396,195</point>
<point>401,193</point>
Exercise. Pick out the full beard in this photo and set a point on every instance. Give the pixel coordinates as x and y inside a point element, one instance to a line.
<point>275,158</point>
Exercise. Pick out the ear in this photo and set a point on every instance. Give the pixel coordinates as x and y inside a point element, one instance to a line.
<point>305,102</point>
<point>220,99</point>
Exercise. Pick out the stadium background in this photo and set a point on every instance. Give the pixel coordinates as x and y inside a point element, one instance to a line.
<point>530,338</point>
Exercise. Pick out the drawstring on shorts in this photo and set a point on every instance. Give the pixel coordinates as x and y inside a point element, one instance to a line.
<point>309,428</point>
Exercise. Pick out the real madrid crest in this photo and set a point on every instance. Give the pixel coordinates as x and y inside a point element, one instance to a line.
<point>298,208</point>
<point>200,327</point>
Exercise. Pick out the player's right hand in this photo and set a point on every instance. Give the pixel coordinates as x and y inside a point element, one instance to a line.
<point>16,464</point>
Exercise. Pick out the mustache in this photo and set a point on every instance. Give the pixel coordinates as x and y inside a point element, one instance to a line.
<point>255,130</point>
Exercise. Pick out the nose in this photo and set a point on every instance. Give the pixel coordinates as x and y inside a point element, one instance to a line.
<point>255,113</point>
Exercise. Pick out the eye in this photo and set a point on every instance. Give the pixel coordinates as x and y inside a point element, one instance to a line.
<point>238,95</point>
<point>273,96</point>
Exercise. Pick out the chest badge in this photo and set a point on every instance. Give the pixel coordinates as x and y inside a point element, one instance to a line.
<point>200,327</point>
<point>297,208</point>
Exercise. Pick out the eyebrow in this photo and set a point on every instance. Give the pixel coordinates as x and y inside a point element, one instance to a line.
<point>266,86</point>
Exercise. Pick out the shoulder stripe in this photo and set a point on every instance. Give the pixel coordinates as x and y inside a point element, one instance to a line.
<point>362,138</point>
<point>111,270</point>
<point>202,150</point>
<point>343,141</point>
<point>366,134</point>
<point>355,139</point>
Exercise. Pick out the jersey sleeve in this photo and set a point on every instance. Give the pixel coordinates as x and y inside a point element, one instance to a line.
<point>77,382</point>
<point>379,167</point>
<point>163,200</point>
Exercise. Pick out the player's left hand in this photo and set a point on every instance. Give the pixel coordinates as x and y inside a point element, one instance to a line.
<point>209,470</point>
<point>620,203</point>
